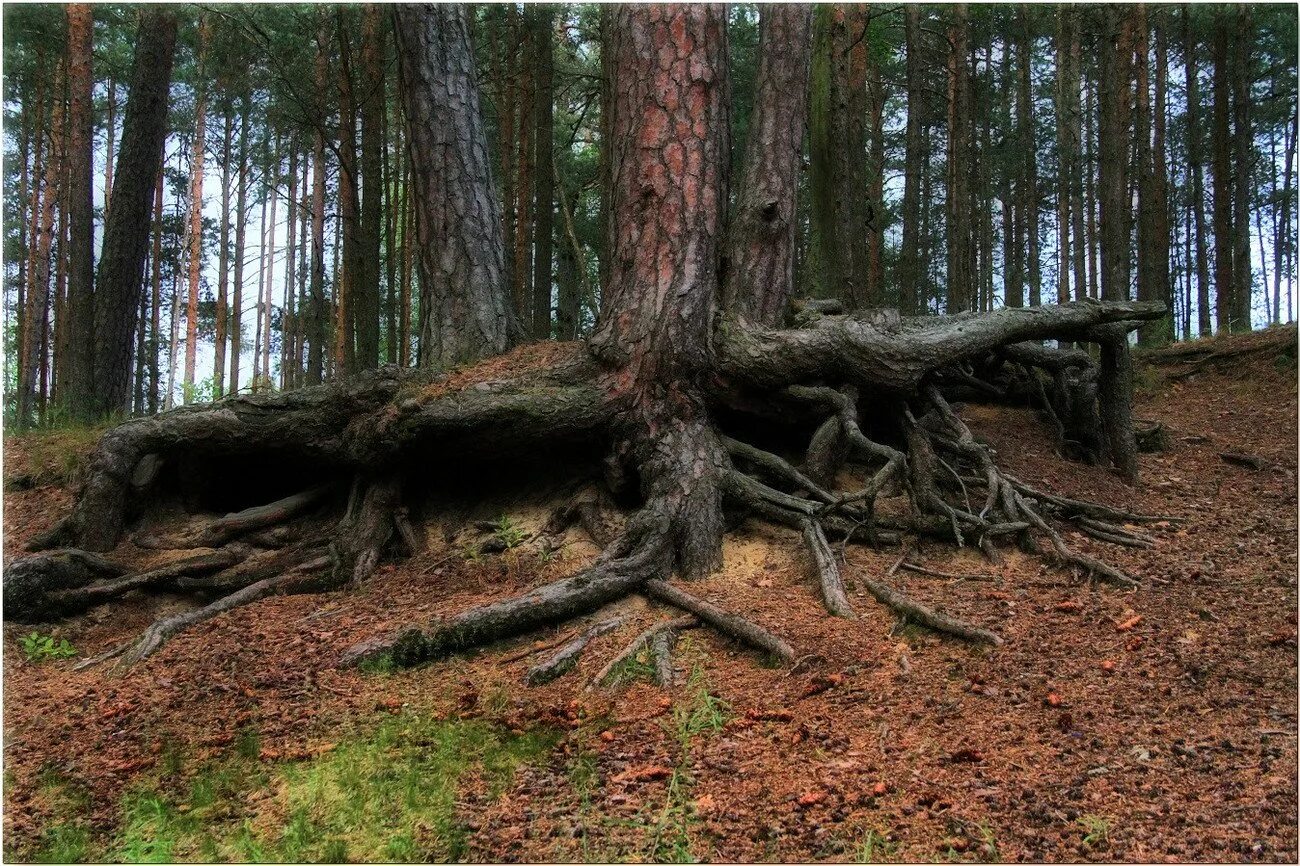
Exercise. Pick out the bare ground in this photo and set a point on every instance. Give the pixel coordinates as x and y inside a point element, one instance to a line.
<point>1158,724</point>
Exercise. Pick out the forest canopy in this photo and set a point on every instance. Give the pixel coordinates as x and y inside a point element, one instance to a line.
<point>954,158</point>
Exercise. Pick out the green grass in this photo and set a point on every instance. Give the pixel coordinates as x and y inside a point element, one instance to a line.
<point>1096,831</point>
<point>874,847</point>
<point>387,795</point>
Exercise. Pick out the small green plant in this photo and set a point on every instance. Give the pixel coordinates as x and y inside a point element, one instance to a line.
<point>1096,831</point>
<point>508,533</point>
<point>989,839</point>
<point>703,712</point>
<point>470,552</point>
<point>874,847</point>
<point>41,647</point>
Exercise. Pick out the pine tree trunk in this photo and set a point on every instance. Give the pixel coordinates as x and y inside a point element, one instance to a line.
<point>1148,276</point>
<point>36,316</point>
<point>909,262</point>
<point>267,298</point>
<point>255,382</point>
<point>525,152</point>
<point>1029,153</point>
<point>1195,137</point>
<point>958,223</point>
<point>316,333</point>
<point>222,311</point>
<point>351,285</point>
<point>365,294</point>
<point>1115,69</point>
<point>1221,175</point>
<point>241,232</point>
<point>837,142</point>
<point>110,135</point>
<point>1162,277</point>
<point>1065,155</point>
<point>463,298</point>
<point>505,56</point>
<point>288,318</point>
<point>195,252</point>
<point>76,380</point>
<point>1091,182</point>
<point>155,297</point>
<point>1077,166</point>
<point>544,166</point>
<point>1013,251</point>
<point>759,277</point>
<point>1242,187</point>
<point>126,233</point>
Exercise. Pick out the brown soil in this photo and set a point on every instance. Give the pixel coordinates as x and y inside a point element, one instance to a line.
<point>1169,712</point>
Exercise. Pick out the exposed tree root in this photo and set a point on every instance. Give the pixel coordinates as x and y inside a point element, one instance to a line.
<point>916,612</point>
<point>564,659</point>
<point>728,623</point>
<point>828,570</point>
<point>657,428</point>
<point>638,643</point>
<point>161,631</point>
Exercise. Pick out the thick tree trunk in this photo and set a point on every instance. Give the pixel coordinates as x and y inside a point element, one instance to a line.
<point>463,296</point>
<point>1162,276</point>
<point>126,232</point>
<point>350,286</point>
<point>759,277</point>
<point>1147,277</point>
<point>77,381</point>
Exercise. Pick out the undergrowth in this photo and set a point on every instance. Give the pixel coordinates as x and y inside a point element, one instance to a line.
<point>388,795</point>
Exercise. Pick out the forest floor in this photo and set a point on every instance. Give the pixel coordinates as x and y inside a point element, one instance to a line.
<point>1158,724</point>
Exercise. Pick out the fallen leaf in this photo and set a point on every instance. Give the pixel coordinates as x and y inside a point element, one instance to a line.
<point>1069,607</point>
<point>1053,699</point>
<point>812,798</point>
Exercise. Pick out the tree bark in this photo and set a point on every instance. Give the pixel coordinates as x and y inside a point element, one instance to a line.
<point>1242,187</point>
<point>77,382</point>
<point>1115,71</point>
<point>544,166</point>
<point>195,252</point>
<point>126,232</point>
<point>316,333</point>
<point>223,255</point>
<point>463,296</point>
<point>1221,173</point>
<point>1029,153</point>
<point>241,230</point>
<point>1195,137</point>
<point>366,294</point>
<point>351,288</point>
<point>837,142</point>
<point>909,264</point>
<point>759,277</point>
<point>959,209</point>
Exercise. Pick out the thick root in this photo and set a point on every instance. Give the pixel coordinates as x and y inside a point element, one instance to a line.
<point>728,623</point>
<point>828,570</point>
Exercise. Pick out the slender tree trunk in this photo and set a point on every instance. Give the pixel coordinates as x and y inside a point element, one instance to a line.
<point>351,288</point>
<point>365,287</point>
<point>1148,275</point>
<point>1090,194</point>
<point>1065,157</point>
<point>126,233</point>
<point>267,296</point>
<point>1221,173</point>
<point>1013,251</point>
<point>1115,71</point>
<point>837,141</point>
<point>42,107</point>
<point>909,263</point>
<point>408,233</point>
<point>77,379</point>
<point>155,298</point>
<point>392,167</point>
<point>1162,282</point>
<point>544,166</point>
<point>1194,142</point>
<point>876,227</point>
<point>463,303</point>
<point>1077,166</point>
<point>110,130</point>
<point>241,231</point>
<point>522,291</point>
<point>255,383</point>
<point>1029,153</point>
<point>223,256</point>
<point>505,59</point>
<point>36,317</point>
<point>24,216</point>
<point>288,318</point>
<point>195,253</point>
<point>316,317</point>
<point>958,222</point>
<point>759,277</point>
<point>1242,157</point>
